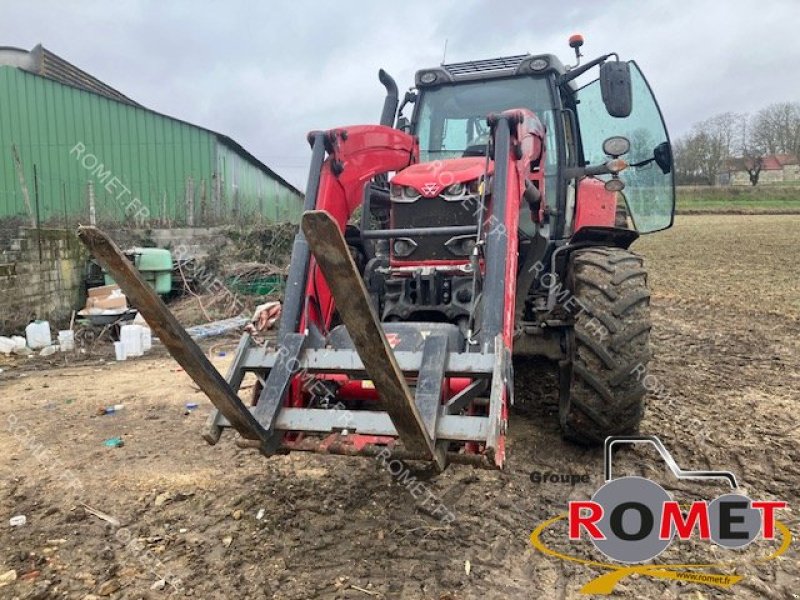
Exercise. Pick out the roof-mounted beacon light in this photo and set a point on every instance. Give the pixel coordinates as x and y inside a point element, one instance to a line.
<point>575,42</point>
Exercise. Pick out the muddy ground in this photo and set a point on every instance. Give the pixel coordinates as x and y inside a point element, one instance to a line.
<point>221,522</point>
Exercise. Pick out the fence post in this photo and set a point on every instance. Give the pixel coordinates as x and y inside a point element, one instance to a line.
<point>92,206</point>
<point>190,201</point>
<point>38,214</point>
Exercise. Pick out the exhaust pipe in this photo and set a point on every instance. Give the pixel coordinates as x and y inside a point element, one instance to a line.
<point>391,101</point>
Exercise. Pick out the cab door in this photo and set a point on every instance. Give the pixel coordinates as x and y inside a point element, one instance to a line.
<point>649,193</point>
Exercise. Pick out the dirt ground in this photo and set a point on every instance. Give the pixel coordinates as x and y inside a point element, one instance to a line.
<point>221,522</point>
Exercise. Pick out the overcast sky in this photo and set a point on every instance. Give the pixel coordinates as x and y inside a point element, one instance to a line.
<point>267,73</point>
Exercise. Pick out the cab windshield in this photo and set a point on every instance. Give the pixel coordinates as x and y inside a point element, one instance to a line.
<point>452,118</point>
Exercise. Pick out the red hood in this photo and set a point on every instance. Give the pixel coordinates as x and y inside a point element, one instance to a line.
<point>429,179</point>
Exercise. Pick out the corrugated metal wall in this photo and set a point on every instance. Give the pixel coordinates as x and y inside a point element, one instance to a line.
<point>136,160</point>
<point>248,190</point>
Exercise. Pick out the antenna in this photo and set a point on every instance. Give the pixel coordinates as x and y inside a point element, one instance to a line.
<point>444,54</point>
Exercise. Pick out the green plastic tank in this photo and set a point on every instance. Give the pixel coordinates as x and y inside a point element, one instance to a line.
<point>155,266</point>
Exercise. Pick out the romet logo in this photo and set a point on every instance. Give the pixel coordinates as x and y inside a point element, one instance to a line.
<point>632,520</point>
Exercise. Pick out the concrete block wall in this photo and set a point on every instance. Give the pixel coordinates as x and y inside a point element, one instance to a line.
<point>47,286</point>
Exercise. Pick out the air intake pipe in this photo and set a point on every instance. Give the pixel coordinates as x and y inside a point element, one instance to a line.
<point>390,103</point>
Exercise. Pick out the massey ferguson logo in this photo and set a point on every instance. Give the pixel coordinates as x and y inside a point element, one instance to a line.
<point>632,520</point>
<point>429,189</point>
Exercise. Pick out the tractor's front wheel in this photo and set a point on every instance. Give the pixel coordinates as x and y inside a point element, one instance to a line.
<point>602,390</point>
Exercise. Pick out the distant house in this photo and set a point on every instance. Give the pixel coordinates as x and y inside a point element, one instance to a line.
<point>775,168</point>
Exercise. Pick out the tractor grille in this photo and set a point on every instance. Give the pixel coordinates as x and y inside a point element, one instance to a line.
<point>432,212</point>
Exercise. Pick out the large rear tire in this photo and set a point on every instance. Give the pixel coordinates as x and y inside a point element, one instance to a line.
<point>602,390</point>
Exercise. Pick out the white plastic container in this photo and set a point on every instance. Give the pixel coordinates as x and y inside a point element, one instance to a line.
<point>19,342</point>
<point>147,338</point>
<point>131,337</point>
<point>119,351</point>
<point>66,339</point>
<point>6,345</point>
<point>37,334</point>
<point>49,350</point>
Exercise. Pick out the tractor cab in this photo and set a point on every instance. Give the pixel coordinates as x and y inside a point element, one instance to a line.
<point>612,117</point>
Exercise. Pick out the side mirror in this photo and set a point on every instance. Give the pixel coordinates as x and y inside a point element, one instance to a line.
<point>615,87</point>
<point>663,157</point>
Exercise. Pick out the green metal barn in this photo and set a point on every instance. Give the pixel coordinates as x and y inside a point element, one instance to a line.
<point>73,148</point>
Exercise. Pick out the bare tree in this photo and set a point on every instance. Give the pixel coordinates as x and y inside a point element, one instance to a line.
<point>705,152</point>
<point>751,149</point>
<point>776,128</point>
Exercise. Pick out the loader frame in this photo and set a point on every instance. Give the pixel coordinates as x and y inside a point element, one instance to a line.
<point>426,423</point>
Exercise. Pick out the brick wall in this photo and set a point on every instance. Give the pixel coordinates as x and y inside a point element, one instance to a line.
<point>49,286</point>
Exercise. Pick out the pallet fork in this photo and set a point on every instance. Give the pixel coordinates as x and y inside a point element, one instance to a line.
<point>415,410</point>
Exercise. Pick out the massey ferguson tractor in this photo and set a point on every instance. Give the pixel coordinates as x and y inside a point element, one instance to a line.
<point>490,216</point>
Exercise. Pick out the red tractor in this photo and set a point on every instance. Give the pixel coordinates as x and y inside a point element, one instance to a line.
<point>495,219</point>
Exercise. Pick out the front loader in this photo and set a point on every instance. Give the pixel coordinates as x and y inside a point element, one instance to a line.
<point>494,220</point>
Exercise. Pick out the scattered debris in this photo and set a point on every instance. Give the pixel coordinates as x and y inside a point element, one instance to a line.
<point>107,300</point>
<point>48,350</point>
<point>115,442</point>
<point>260,514</point>
<point>162,499</point>
<point>56,542</point>
<point>467,567</point>
<point>364,590</point>
<point>18,520</point>
<point>101,515</point>
<point>8,577</point>
<point>265,317</point>
<point>29,575</point>
<point>237,514</point>
<point>110,410</point>
<point>227,541</point>
<point>108,587</point>
<point>216,328</point>
<point>191,405</point>
<point>159,585</point>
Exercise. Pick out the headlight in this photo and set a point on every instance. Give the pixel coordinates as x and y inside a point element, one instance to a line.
<point>402,247</point>
<point>616,146</point>
<point>476,187</point>
<point>461,245</point>
<point>428,77</point>
<point>403,193</point>
<point>455,191</point>
<point>538,64</point>
<point>410,193</point>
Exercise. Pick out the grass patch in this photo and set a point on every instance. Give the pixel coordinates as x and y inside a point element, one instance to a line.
<point>742,200</point>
